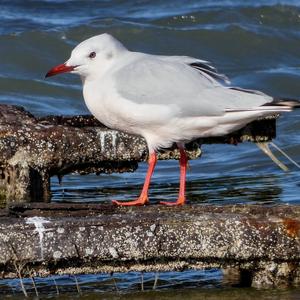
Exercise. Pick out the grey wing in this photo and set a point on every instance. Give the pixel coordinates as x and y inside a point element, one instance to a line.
<point>203,66</point>
<point>171,82</point>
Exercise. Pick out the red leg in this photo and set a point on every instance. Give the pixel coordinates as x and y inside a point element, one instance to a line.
<point>143,198</point>
<point>183,165</point>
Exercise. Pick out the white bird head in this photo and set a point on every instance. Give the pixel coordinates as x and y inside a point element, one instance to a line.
<point>91,56</point>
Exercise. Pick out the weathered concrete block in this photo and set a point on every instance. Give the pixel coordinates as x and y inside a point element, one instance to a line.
<point>260,241</point>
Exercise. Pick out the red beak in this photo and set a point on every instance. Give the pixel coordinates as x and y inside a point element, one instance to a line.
<point>59,69</point>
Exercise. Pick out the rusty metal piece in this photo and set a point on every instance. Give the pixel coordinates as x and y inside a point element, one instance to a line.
<point>292,227</point>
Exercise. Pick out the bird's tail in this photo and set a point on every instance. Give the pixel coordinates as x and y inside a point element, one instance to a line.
<point>284,102</point>
<point>266,149</point>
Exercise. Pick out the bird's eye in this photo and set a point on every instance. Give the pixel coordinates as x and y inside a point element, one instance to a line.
<point>92,54</point>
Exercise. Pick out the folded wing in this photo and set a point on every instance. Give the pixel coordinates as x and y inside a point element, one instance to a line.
<point>189,86</point>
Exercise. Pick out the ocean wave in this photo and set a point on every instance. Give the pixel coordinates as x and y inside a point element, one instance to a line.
<point>18,16</point>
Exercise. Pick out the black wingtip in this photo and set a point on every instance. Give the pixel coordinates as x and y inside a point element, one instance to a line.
<point>293,103</point>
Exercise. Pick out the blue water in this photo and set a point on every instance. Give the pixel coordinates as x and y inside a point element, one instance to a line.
<point>256,43</point>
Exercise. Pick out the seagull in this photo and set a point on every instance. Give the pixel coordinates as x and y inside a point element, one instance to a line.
<point>165,99</point>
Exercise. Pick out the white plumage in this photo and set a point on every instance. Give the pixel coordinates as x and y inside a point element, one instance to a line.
<point>162,98</point>
<point>165,99</point>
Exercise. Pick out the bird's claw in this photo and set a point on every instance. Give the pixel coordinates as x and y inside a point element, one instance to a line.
<point>138,202</point>
<point>180,201</point>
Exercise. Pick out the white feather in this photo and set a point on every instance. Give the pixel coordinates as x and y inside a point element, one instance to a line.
<point>162,98</point>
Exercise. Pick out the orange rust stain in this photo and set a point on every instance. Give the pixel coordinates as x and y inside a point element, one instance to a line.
<point>292,227</point>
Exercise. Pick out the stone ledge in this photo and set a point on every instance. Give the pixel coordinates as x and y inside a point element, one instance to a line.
<point>262,241</point>
<point>34,149</point>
